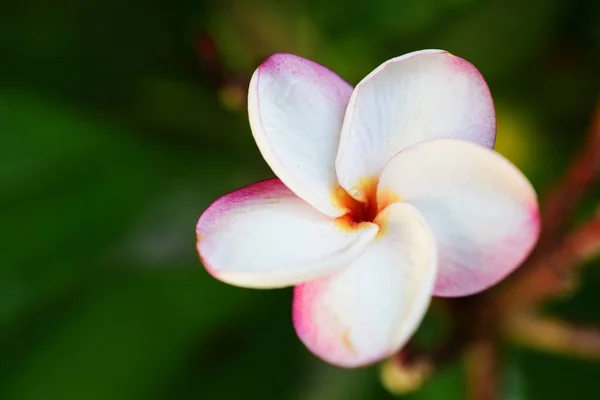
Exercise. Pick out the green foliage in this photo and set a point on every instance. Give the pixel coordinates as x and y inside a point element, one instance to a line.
<point>114,139</point>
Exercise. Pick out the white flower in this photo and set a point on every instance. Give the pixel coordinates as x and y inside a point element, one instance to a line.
<point>388,194</point>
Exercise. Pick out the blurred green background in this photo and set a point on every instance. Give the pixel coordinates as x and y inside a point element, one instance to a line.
<point>121,121</point>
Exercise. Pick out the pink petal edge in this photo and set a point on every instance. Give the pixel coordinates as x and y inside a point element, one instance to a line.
<point>305,327</point>
<point>441,286</point>
<point>226,203</point>
<point>331,90</point>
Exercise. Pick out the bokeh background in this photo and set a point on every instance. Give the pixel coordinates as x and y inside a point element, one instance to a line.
<point>121,121</point>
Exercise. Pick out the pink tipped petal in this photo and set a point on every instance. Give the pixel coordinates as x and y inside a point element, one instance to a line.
<point>264,236</point>
<point>368,311</point>
<point>481,209</point>
<point>423,95</point>
<point>296,108</point>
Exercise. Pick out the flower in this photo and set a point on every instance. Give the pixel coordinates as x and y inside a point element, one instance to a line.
<point>387,194</point>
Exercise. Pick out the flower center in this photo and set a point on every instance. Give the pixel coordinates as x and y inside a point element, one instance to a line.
<point>359,211</point>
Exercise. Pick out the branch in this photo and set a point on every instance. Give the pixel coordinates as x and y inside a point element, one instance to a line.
<point>561,201</point>
<point>553,273</point>
<point>232,87</point>
<point>482,369</point>
<point>554,335</point>
<point>210,58</point>
<point>407,370</point>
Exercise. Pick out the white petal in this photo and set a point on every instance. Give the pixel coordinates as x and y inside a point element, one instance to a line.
<point>368,311</point>
<point>296,108</point>
<point>264,236</point>
<point>481,209</point>
<point>423,95</point>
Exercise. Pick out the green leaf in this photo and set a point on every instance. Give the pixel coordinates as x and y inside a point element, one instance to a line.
<point>123,337</point>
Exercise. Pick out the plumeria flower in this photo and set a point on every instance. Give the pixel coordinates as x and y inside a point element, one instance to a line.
<point>386,195</point>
